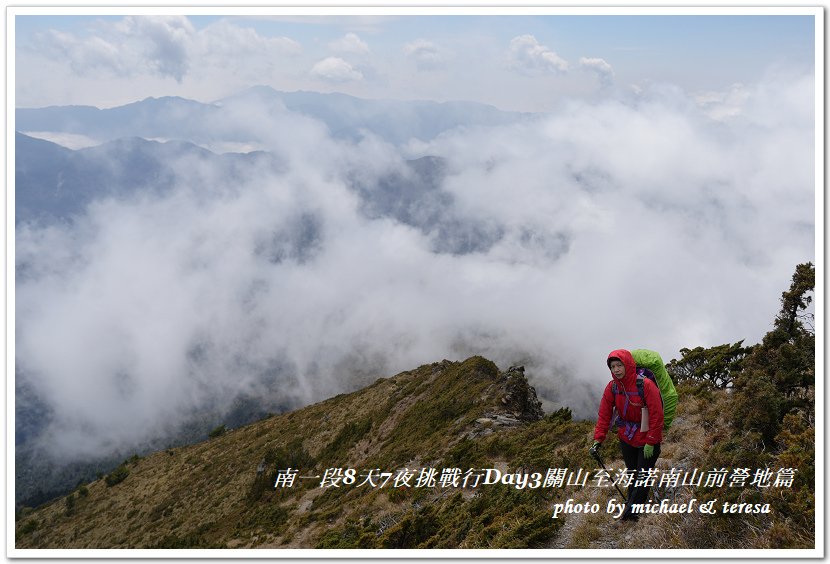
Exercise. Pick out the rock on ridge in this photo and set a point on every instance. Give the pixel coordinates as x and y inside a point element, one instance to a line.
<point>518,402</point>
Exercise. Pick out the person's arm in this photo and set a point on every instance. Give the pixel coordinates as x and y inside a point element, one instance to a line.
<point>606,410</point>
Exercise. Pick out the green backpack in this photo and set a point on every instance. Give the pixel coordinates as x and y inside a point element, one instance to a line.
<point>651,360</point>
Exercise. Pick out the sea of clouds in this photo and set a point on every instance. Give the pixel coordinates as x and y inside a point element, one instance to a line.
<point>649,219</point>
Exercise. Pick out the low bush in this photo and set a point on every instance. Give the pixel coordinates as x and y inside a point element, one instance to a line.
<point>117,476</point>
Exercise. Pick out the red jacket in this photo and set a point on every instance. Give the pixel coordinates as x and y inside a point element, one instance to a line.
<point>654,435</point>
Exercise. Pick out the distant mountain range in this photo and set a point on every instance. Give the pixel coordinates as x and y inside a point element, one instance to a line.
<point>53,182</point>
<point>151,147</point>
<point>140,144</point>
<point>345,116</point>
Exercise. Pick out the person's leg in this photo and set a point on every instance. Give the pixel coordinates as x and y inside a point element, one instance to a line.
<point>631,456</point>
<point>641,493</point>
<point>635,461</point>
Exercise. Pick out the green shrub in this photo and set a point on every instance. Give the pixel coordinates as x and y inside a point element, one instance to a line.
<point>465,454</point>
<point>70,504</point>
<point>117,476</point>
<point>756,405</point>
<point>351,535</point>
<point>218,432</point>
<point>561,415</point>
<point>192,540</point>
<point>351,432</point>
<point>413,530</point>
<point>797,443</point>
<point>22,512</point>
<point>29,527</point>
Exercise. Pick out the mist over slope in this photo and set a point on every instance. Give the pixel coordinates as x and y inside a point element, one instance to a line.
<point>178,280</point>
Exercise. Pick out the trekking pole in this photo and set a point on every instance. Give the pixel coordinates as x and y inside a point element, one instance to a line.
<point>595,454</point>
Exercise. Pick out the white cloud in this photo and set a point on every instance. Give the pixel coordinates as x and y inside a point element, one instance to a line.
<point>528,56</point>
<point>350,43</point>
<point>599,67</point>
<point>335,69</point>
<point>635,223</point>
<point>68,140</point>
<point>426,54</point>
<point>91,56</point>
<point>720,105</point>
<point>166,41</point>
<point>167,47</point>
<point>226,43</point>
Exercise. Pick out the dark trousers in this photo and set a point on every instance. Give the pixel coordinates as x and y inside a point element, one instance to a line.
<point>636,463</point>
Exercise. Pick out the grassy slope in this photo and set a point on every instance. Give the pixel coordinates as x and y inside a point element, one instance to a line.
<point>439,415</point>
<point>210,494</point>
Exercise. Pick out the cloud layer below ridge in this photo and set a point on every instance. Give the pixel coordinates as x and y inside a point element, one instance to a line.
<point>638,221</point>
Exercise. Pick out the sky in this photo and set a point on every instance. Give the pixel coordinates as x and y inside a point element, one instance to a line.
<point>660,198</point>
<point>515,62</point>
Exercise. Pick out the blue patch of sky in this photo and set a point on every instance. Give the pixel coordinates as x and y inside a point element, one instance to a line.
<point>695,41</point>
<point>559,32</point>
<point>666,46</point>
<point>78,24</point>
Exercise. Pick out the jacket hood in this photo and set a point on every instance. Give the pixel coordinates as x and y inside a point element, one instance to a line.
<point>628,361</point>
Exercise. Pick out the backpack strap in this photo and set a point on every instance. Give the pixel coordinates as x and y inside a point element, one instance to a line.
<point>646,373</point>
<point>630,427</point>
<point>640,391</point>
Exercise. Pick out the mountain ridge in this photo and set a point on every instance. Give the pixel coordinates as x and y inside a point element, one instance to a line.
<point>319,477</point>
<point>53,182</point>
<point>345,116</point>
<point>193,495</point>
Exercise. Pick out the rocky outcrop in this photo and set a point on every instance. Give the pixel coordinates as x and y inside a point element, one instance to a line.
<point>517,405</point>
<point>521,396</point>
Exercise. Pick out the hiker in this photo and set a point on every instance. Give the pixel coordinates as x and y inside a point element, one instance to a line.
<point>640,437</point>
